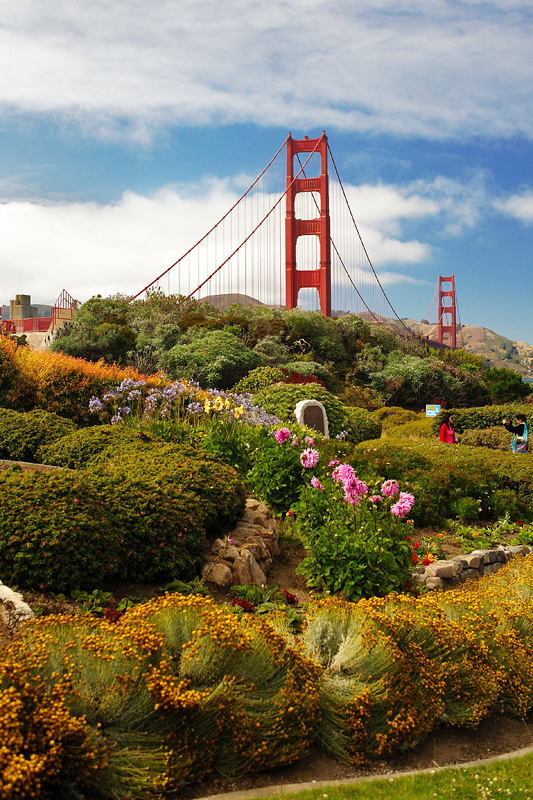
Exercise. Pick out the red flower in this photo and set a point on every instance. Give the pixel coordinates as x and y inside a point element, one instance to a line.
<point>290,598</point>
<point>244,604</point>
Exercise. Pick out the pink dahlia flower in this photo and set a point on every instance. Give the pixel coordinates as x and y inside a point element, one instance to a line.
<point>390,488</point>
<point>282,435</point>
<point>309,458</point>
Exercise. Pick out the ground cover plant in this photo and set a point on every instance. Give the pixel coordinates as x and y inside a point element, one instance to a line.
<point>137,511</point>
<point>21,435</point>
<point>180,687</point>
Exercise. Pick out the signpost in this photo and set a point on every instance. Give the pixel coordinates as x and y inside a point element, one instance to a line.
<point>432,411</point>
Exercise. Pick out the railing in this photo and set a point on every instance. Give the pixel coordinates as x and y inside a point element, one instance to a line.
<point>34,324</point>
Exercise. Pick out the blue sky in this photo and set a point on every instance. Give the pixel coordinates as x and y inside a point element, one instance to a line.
<point>114,115</point>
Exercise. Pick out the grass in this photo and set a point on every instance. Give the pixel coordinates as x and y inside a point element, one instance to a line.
<point>510,778</point>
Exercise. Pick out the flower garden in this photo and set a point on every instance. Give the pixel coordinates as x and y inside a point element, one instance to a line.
<point>139,701</point>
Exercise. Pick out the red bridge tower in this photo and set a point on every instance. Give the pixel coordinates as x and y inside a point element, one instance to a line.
<point>447,308</point>
<point>319,278</point>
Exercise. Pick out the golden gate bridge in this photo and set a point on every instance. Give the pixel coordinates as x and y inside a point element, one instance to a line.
<point>290,240</point>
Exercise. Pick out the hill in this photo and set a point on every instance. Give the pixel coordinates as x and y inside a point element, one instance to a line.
<point>497,350</point>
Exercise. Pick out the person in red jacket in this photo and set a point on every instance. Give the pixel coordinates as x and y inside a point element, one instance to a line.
<point>447,433</point>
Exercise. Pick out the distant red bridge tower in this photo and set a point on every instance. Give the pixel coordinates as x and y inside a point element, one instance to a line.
<point>319,278</point>
<point>447,311</point>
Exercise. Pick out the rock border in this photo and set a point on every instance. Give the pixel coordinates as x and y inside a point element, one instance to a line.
<point>451,572</point>
<point>13,610</point>
<point>246,554</point>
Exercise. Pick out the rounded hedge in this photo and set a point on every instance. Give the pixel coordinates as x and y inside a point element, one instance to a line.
<point>281,399</point>
<point>258,379</point>
<point>219,492</point>
<point>22,434</point>
<point>134,510</point>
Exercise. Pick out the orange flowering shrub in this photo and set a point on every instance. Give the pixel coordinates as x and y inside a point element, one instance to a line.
<point>178,688</point>
<point>57,383</point>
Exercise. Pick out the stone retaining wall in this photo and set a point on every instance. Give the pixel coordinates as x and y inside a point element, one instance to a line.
<point>246,554</point>
<point>457,570</point>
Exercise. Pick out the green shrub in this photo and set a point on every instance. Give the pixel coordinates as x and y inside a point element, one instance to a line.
<point>258,379</point>
<point>102,442</point>
<point>216,359</point>
<point>493,438</point>
<point>21,435</point>
<point>440,474</point>
<point>56,532</point>
<point>363,424</point>
<point>392,416</point>
<point>281,400</point>
<point>142,507</point>
<point>420,428</point>
<point>506,385</point>
<point>169,466</point>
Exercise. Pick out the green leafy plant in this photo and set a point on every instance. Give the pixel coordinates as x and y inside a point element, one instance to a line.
<point>277,475</point>
<point>196,586</point>
<point>94,602</point>
<point>357,541</point>
<point>21,435</point>
<point>281,399</point>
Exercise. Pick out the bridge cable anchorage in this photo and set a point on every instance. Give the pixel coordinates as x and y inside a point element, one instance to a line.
<point>135,296</point>
<point>276,204</point>
<point>363,244</point>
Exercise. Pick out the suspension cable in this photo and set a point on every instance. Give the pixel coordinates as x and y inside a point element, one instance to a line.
<point>362,243</point>
<point>214,226</point>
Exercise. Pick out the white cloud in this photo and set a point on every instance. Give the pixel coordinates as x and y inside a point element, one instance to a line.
<point>429,68</point>
<point>89,248</point>
<point>519,206</point>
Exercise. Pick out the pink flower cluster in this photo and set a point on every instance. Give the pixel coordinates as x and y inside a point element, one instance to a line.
<point>309,458</point>
<point>354,489</point>
<point>316,483</point>
<point>390,488</point>
<point>282,435</point>
<point>403,506</point>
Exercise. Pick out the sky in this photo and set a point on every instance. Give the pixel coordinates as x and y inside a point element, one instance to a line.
<point>125,124</point>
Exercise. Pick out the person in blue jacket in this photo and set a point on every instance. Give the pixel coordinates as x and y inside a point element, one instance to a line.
<point>521,433</point>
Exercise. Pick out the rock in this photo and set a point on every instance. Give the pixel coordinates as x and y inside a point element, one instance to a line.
<point>13,609</point>
<point>442,569</point>
<point>257,574</point>
<point>218,573</point>
<point>262,509</point>
<point>252,503</point>
<point>468,574</point>
<point>435,583</point>
<point>241,571</point>
<point>472,561</point>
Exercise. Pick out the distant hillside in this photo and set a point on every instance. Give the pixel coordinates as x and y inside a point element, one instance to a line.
<point>497,350</point>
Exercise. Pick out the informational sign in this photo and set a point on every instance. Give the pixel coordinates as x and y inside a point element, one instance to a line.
<point>432,411</point>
